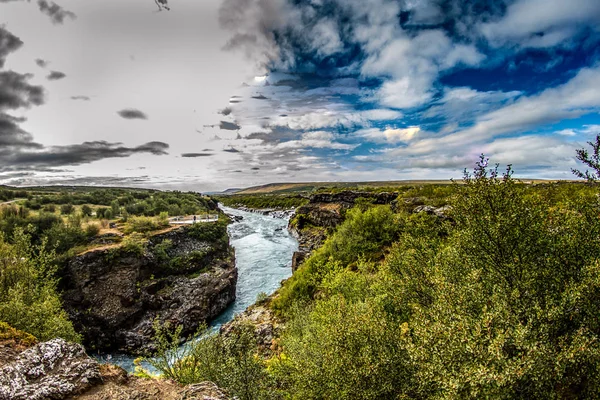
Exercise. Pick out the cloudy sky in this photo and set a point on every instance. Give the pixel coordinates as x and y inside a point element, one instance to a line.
<point>215,94</point>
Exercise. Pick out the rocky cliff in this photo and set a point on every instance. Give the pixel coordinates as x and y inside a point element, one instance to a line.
<point>183,277</point>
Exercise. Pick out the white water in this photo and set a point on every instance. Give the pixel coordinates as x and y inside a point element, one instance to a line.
<point>263,256</point>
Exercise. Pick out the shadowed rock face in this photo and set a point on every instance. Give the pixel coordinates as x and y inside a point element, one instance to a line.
<point>114,297</point>
<point>49,370</point>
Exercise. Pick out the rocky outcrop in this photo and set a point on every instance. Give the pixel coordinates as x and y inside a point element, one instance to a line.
<point>267,327</point>
<point>60,370</point>
<point>114,295</point>
<point>50,370</point>
<point>349,197</point>
<point>440,212</point>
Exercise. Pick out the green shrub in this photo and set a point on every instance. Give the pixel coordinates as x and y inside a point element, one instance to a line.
<point>145,224</point>
<point>134,244</point>
<point>92,230</point>
<point>86,210</point>
<point>228,361</point>
<point>363,235</point>
<point>67,209</point>
<point>28,297</point>
<point>212,232</point>
<point>344,350</point>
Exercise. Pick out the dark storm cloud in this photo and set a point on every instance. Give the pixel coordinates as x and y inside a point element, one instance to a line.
<point>77,154</point>
<point>84,98</point>
<point>56,13</point>
<point>195,155</point>
<point>12,136</point>
<point>132,113</point>
<point>230,126</point>
<point>16,92</point>
<point>162,4</point>
<point>56,75</point>
<point>8,44</point>
<point>41,63</point>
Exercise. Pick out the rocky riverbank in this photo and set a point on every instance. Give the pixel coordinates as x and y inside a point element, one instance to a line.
<point>114,295</point>
<point>60,370</point>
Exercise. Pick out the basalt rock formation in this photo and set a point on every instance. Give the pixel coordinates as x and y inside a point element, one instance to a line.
<point>114,295</point>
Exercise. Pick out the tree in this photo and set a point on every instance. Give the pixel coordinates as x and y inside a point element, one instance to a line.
<point>592,161</point>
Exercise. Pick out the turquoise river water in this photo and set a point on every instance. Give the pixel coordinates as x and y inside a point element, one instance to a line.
<point>263,256</point>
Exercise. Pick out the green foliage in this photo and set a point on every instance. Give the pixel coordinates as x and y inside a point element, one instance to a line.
<point>146,224</point>
<point>500,301</point>
<point>212,232</point>
<point>344,350</point>
<point>134,244</point>
<point>161,250</point>
<point>263,201</point>
<point>92,230</point>
<point>64,236</point>
<point>86,210</point>
<point>363,235</point>
<point>28,297</point>
<point>67,209</point>
<point>101,212</point>
<point>228,361</point>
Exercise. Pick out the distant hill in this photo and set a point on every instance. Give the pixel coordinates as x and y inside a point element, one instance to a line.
<point>303,187</point>
<point>314,186</point>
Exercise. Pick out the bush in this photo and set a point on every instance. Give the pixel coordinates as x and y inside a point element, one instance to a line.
<point>28,297</point>
<point>134,243</point>
<point>344,350</point>
<point>67,209</point>
<point>65,236</point>
<point>212,232</point>
<point>363,235</point>
<point>228,361</point>
<point>145,224</point>
<point>86,210</point>
<point>51,208</point>
<point>92,230</point>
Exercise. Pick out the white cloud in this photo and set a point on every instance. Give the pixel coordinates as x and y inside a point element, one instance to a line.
<point>389,134</point>
<point>570,100</point>
<point>542,23</point>
<point>413,65</point>
<point>381,114</point>
<point>317,140</point>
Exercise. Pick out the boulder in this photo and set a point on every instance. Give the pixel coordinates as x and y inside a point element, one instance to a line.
<point>50,370</point>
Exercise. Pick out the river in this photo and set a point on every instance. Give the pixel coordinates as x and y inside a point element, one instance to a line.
<point>263,257</point>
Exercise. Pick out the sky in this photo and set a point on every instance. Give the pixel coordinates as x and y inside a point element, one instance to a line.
<point>214,94</point>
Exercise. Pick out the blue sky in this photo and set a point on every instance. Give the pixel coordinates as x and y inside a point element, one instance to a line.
<point>330,90</point>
